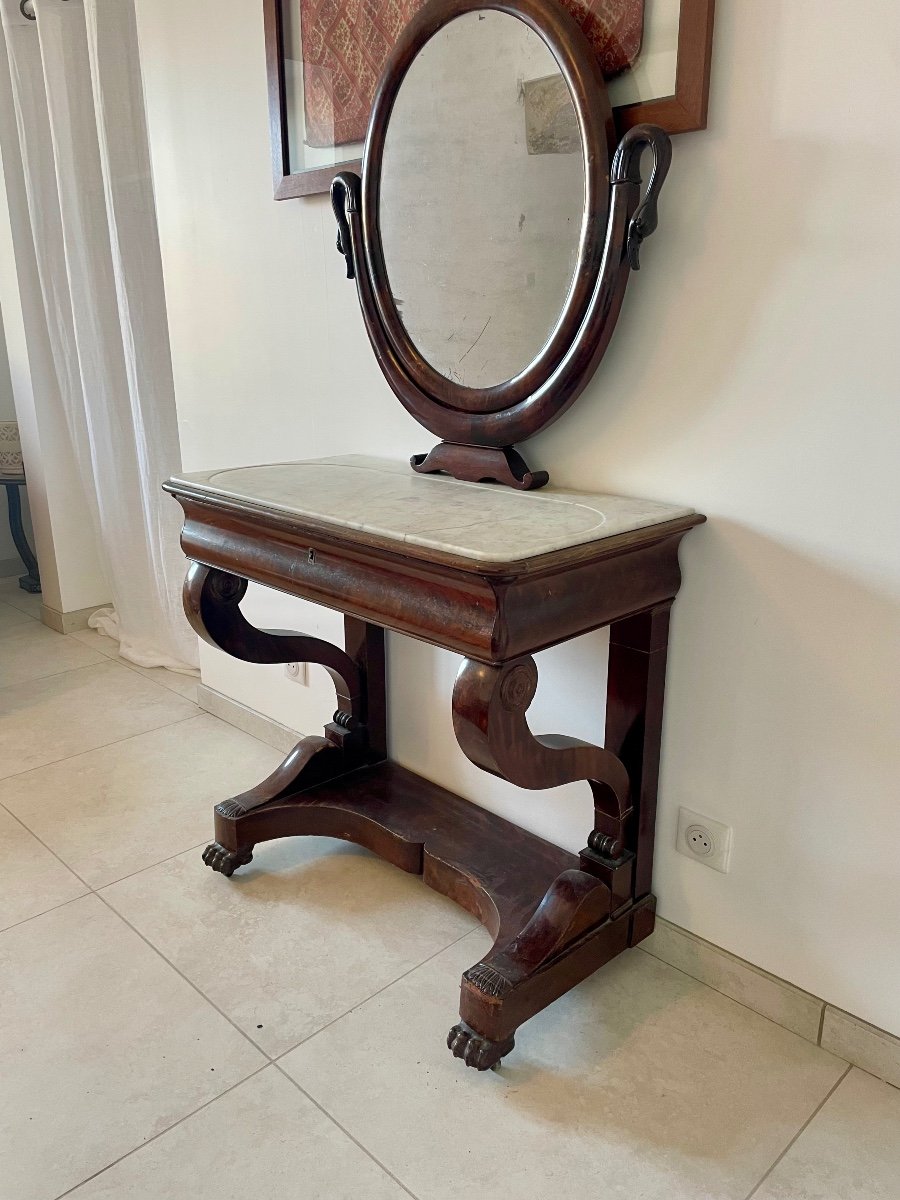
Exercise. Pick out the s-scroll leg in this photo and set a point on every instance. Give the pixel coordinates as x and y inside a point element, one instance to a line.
<point>569,935</point>
<point>489,707</point>
<point>583,919</point>
<point>354,737</point>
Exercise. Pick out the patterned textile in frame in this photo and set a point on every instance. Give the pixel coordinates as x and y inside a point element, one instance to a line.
<point>346,44</point>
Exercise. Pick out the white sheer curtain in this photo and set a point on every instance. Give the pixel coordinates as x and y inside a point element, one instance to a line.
<point>80,114</point>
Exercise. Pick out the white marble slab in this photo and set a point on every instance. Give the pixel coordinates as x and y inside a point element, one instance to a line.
<point>480,521</point>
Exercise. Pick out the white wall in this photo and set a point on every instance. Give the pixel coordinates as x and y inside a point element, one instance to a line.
<point>754,375</point>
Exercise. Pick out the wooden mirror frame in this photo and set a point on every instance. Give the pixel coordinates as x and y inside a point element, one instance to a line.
<point>587,89</point>
<point>479,427</point>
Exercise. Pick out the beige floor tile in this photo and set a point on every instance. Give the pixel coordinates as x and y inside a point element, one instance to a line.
<point>32,880</point>
<point>121,808</point>
<point>309,929</point>
<point>16,597</point>
<point>50,719</point>
<point>12,618</point>
<point>264,1139</point>
<point>772,997</point>
<point>97,641</point>
<point>849,1151</point>
<point>102,1046</point>
<point>175,681</point>
<point>641,1082</point>
<point>32,651</point>
<point>184,685</point>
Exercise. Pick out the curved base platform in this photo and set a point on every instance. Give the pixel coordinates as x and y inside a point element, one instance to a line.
<point>549,911</point>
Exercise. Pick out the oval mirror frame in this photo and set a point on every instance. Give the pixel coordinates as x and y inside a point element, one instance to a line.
<point>479,427</point>
<point>587,89</point>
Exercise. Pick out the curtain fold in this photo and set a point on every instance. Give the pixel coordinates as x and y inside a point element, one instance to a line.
<point>80,115</point>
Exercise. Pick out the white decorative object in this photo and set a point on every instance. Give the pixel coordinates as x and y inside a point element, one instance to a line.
<point>11,465</point>
<point>480,521</point>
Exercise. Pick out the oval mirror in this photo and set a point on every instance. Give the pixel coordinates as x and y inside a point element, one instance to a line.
<point>486,192</point>
<point>482,202</point>
<point>490,237</point>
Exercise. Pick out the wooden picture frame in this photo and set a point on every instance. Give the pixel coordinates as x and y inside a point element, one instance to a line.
<point>682,112</point>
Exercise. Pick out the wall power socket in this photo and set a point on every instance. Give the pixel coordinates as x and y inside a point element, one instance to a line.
<point>703,839</point>
<point>299,672</point>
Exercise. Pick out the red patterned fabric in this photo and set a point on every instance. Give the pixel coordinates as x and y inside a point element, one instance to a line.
<point>347,42</point>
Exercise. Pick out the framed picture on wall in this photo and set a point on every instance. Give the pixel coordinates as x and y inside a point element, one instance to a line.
<point>324,58</point>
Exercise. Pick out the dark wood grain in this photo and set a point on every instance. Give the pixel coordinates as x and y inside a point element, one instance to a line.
<point>489,719</point>
<point>480,464</point>
<point>488,612</point>
<point>554,917</point>
<point>454,413</point>
<point>579,68</point>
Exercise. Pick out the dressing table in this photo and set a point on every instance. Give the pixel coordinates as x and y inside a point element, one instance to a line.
<point>468,548</point>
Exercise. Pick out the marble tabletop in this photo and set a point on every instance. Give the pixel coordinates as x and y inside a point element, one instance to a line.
<point>480,521</point>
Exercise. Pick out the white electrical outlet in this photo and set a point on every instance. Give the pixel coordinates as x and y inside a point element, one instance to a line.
<point>703,839</point>
<point>299,672</point>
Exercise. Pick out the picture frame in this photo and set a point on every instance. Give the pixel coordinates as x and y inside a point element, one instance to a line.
<point>669,87</point>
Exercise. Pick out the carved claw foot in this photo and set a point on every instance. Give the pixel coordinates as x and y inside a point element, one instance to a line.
<point>477,1051</point>
<point>226,861</point>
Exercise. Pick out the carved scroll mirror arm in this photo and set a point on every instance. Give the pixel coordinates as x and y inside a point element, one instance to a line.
<point>626,173</point>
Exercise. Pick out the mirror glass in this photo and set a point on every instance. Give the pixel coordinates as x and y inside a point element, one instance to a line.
<point>482,198</point>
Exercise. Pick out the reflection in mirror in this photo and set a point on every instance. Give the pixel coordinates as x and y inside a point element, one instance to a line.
<point>482,198</point>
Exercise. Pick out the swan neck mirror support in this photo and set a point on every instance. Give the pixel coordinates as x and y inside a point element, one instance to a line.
<point>495,227</point>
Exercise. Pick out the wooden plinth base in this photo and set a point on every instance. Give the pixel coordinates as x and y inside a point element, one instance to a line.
<point>480,464</point>
<point>551,918</point>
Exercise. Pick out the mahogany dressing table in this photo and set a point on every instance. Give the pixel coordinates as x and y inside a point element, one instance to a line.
<point>494,573</point>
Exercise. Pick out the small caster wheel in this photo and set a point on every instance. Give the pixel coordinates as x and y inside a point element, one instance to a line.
<point>226,862</point>
<point>477,1051</point>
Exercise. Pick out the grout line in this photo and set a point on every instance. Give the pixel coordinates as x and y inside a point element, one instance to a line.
<point>34,916</point>
<point>220,1011</point>
<point>149,866</point>
<point>54,762</point>
<point>362,1003</point>
<point>162,1132</point>
<point>325,1113</point>
<point>821,1024</point>
<point>71,671</point>
<point>734,1000</point>
<point>189,982</point>
<point>50,850</point>
<point>800,1131</point>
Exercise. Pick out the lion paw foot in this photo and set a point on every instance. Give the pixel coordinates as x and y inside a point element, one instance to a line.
<point>476,1051</point>
<point>226,862</point>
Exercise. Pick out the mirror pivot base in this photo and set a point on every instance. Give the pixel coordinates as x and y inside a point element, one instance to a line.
<point>480,464</point>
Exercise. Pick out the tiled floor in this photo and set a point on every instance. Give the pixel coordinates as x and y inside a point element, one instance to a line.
<point>166,1033</point>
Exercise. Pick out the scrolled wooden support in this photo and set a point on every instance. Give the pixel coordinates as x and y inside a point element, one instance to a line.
<point>516,980</point>
<point>312,761</point>
<point>212,603</point>
<point>626,173</point>
<point>575,902</point>
<point>489,707</point>
<point>345,199</point>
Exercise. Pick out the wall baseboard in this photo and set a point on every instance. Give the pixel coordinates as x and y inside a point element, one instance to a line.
<point>842,1034</point>
<point>839,1032</point>
<point>69,622</point>
<point>11,566</point>
<point>248,720</point>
